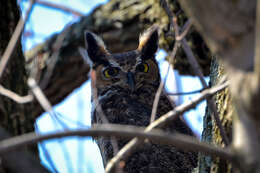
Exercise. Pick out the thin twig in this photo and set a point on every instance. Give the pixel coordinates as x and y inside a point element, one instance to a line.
<point>193,62</point>
<point>15,97</point>
<point>103,118</point>
<point>75,122</point>
<point>66,155</point>
<point>80,144</point>
<point>46,105</point>
<point>60,7</point>
<point>185,93</point>
<point>157,96</point>
<point>167,10</point>
<point>170,116</point>
<point>177,44</point>
<point>185,29</point>
<point>47,156</point>
<point>178,38</point>
<point>56,120</point>
<point>45,152</point>
<point>54,58</point>
<point>178,140</point>
<point>15,37</point>
<point>39,95</point>
<point>44,102</point>
<point>162,83</point>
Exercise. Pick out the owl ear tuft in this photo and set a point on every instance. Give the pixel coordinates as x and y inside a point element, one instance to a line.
<point>95,47</point>
<point>148,42</point>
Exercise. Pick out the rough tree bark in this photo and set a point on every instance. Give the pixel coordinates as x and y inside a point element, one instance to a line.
<point>211,133</point>
<point>14,118</point>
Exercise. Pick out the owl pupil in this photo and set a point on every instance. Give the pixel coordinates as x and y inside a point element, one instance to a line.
<point>140,67</point>
<point>111,71</point>
<point>143,67</point>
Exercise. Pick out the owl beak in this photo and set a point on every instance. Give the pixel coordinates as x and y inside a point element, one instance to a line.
<point>131,81</point>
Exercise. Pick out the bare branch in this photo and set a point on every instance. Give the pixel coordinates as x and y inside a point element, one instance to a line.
<point>170,116</point>
<point>47,157</point>
<point>15,97</point>
<point>185,93</point>
<point>46,153</point>
<point>185,30</point>
<point>39,95</point>
<point>104,120</point>
<point>44,102</point>
<point>53,59</point>
<point>15,37</point>
<point>223,79</point>
<point>162,83</point>
<point>173,22</point>
<point>59,7</point>
<point>193,62</point>
<point>178,140</point>
<point>157,96</point>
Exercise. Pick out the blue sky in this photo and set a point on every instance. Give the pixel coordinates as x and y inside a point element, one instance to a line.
<point>45,21</point>
<point>81,155</point>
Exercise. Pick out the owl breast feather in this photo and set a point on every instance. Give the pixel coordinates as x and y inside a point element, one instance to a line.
<point>120,106</point>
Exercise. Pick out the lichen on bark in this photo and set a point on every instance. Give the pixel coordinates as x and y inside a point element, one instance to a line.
<point>211,133</point>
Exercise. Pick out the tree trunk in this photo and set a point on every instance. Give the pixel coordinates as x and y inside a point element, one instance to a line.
<point>16,119</point>
<point>211,133</point>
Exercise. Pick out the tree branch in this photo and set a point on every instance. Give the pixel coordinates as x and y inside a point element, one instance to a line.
<point>185,93</point>
<point>178,140</point>
<point>15,97</point>
<point>59,7</point>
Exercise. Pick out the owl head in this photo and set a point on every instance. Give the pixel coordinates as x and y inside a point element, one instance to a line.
<point>130,70</point>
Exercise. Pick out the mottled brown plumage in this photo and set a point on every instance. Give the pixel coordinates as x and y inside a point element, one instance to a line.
<point>125,85</point>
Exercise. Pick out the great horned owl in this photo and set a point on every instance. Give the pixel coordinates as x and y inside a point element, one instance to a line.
<point>125,85</point>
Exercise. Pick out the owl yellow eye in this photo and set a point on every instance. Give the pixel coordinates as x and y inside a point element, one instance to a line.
<point>142,67</point>
<point>110,72</point>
